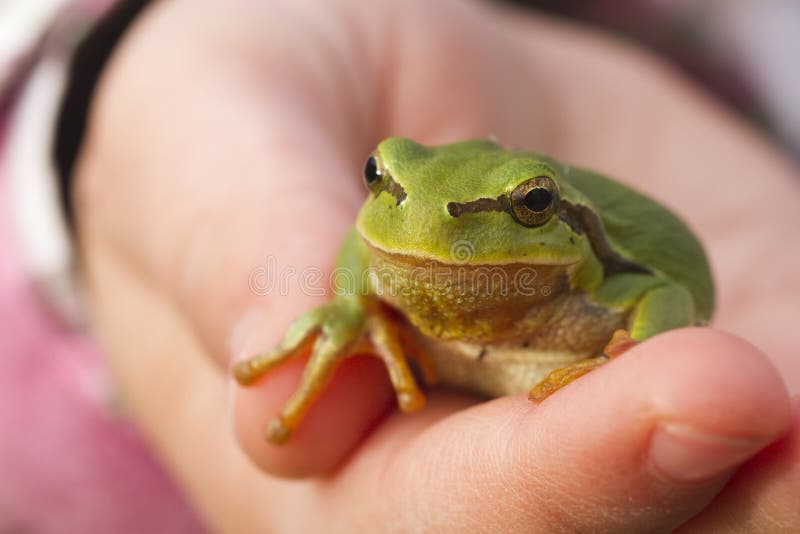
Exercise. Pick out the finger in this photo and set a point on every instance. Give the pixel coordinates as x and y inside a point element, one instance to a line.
<point>197,248</point>
<point>641,444</point>
<point>764,495</point>
<point>258,161</point>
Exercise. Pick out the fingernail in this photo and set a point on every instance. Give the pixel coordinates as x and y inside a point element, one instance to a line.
<point>686,455</point>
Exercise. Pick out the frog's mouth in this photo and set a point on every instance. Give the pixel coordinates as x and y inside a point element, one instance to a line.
<point>511,277</point>
<point>466,253</point>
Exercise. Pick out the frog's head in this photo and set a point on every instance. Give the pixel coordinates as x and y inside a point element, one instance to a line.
<point>471,202</point>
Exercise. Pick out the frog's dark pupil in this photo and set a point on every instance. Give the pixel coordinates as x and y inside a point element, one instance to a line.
<point>371,173</point>
<point>538,199</point>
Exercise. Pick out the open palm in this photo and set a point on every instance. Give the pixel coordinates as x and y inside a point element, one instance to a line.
<point>227,136</point>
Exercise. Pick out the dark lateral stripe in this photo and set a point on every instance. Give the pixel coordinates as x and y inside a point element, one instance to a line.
<point>393,188</point>
<point>456,209</point>
<point>582,219</point>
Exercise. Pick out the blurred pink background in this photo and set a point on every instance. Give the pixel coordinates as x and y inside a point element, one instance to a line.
<point>68,462</point>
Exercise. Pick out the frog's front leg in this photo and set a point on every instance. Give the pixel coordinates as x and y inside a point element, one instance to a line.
<point>334,332</point>
<point>659,307</point>
<point>385,339</point>
<point>326,355</point>
<point>298,338</point>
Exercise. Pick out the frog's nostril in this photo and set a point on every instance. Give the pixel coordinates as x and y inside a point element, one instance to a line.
<point>454,209</point>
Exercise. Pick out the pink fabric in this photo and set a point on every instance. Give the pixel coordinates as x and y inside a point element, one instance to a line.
<point>68,463</point>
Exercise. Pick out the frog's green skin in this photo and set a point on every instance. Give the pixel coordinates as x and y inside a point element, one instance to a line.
<point>440,270</point>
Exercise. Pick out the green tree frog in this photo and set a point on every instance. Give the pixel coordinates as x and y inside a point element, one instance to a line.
<point>492,270</point>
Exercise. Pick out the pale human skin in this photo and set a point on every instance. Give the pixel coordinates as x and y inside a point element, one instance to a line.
<point>227,132</point>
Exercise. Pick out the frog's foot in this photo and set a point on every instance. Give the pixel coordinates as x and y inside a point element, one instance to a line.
<point>331,347</point>
<point>328,352</point>
<point>331,331</point>
<point>620,342</point>
<point>299,337</point>
<point>385,338</point>
<point>334,332</point>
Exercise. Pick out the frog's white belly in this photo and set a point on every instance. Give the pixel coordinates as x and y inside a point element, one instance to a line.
<point>493,371</point>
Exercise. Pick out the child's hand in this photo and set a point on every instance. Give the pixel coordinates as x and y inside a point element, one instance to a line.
<point>226,133</point>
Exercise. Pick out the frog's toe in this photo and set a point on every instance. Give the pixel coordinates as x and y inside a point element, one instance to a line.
<point>621,341</point>
<point>246,372</point>
<point>411,400</point>
<point>328,351</point>
<point>563,376</point>
<point>422,360</point>
<point>278,431</point>
<point>387,343</point>
<point>299,337</point>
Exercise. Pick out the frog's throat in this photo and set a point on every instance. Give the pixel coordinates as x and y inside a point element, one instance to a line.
<point>477,302</point>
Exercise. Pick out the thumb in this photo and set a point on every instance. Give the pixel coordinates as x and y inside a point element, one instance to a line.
<point>639,445</point>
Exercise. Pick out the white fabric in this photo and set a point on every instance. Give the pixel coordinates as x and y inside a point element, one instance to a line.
<point>43,239</point>
<point>22,24</point>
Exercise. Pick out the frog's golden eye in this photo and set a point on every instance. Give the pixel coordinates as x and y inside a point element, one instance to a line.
<point>373,172</point>
<point>535,201</point>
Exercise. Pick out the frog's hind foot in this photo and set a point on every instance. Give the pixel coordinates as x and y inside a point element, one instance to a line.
<point>620,342</point>
<point>563,376</point>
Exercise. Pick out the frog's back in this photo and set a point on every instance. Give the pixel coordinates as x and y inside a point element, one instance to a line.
<point>645,232</point>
